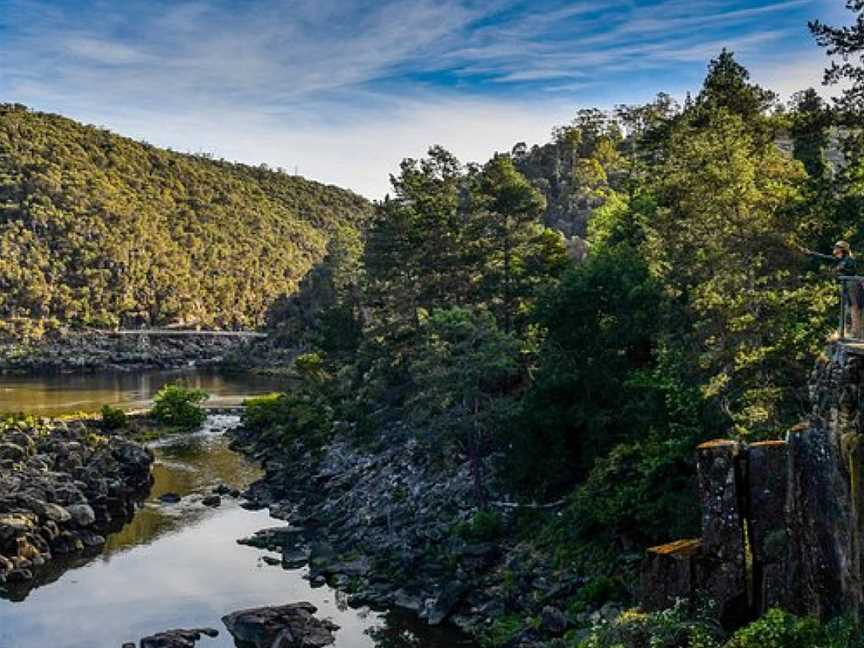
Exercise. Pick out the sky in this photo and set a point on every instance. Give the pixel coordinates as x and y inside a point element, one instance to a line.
<point>342,90</point>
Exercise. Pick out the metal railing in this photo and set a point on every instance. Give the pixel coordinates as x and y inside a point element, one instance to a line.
<point>851,303</point>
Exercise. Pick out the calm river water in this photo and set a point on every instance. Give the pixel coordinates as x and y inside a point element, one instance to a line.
<point>53,394</point>
<point>176,566</point>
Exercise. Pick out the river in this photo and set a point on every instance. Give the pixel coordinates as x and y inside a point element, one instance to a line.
<point>175,565</point>
<point>53,394</point>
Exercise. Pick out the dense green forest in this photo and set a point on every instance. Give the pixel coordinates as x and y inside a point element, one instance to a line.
<point>695,313</point>
<point>100,230</point>
<point>694,309</point>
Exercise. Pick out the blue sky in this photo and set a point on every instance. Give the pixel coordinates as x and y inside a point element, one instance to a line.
<point>343,89</point>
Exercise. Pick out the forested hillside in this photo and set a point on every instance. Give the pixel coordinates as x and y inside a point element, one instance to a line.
<point>100,230</point>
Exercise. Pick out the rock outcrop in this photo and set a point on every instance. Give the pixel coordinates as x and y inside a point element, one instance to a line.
<point>355,515</point>
<point>393,526</point>
<point>61,486</point>
<point>85,351</point>
<point>783,521</point>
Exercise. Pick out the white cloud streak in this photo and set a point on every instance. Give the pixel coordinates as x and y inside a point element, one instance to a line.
<point>345,89</point>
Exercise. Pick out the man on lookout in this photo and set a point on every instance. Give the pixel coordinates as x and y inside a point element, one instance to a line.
<point>844,266</point>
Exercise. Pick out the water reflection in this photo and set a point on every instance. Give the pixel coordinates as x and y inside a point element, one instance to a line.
<point>49,395</point>
<point>186,465</point>
<point>180,566</point>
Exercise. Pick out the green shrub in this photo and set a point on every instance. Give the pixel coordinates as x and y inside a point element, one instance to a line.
<point>641,491</point>
<point>779,629</point>
<point>596,592</point>
<point>666,629</point>
<point>113,418</point>
<point>310,368</point>
<point>286,418</point>
<point>673,629</point>
<point>484,526</point>
<point>263,412</point>
<point>178,406</point>
<point>502,631</point>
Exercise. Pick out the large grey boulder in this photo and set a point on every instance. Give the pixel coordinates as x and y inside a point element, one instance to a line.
<point>12,452</point>
<point>286,626</point>
<point>81,514</point>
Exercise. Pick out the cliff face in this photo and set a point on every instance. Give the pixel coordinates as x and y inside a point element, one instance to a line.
<point>782,522</point>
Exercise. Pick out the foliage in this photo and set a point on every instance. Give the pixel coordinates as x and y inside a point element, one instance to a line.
<point>303,415</point>
<point>673,628</point>
<point>509,206</point>
<point>502,631</point>
<point>727,88</point>
<point>178,406</point>
<point>742,325</point>
<point>689,313</point>
<point>113,418</point>
<point>641,490</point>
<point>484,526</point>
<point>846,47</point>
<point>450,237</point>
<point>325,311</point>
<point>779,629</point>
<point>464,365</point>
<point>576,170</point>
<point>595,593</point>
<point>99,230</point>
<point>262,412</point>
<point>600,327</point>
<point>666,629</point>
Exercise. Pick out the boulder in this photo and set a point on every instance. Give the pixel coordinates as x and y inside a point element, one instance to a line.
<point>12,452</point>
<point>176,638</point>
<point>213,501</point>
<point>53,512</point>
<point>286,626</point>
<point>439,607</point>
<point>81,514</point>
<point>15,524</point>
<point>273,538</point>
<point>553,621</point>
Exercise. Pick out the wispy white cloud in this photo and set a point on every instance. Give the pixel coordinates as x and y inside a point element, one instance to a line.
<point>358,153</point>
<point>345,88</point>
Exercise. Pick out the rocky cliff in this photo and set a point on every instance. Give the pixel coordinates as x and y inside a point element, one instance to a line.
<point>782,521</point>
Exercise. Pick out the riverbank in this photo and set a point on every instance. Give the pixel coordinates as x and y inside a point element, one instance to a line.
<point>394,526</point>
<point>83,351</point>
<point>63,485</point>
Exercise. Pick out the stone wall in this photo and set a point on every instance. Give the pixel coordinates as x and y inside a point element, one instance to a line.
<point>782,522</point>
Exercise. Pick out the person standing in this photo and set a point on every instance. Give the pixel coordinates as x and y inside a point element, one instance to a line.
<point>845,266</point>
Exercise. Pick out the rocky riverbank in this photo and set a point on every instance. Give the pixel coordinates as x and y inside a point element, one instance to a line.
<point>76,351</point>
<point>394,528</point>
<point>62,485</point>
